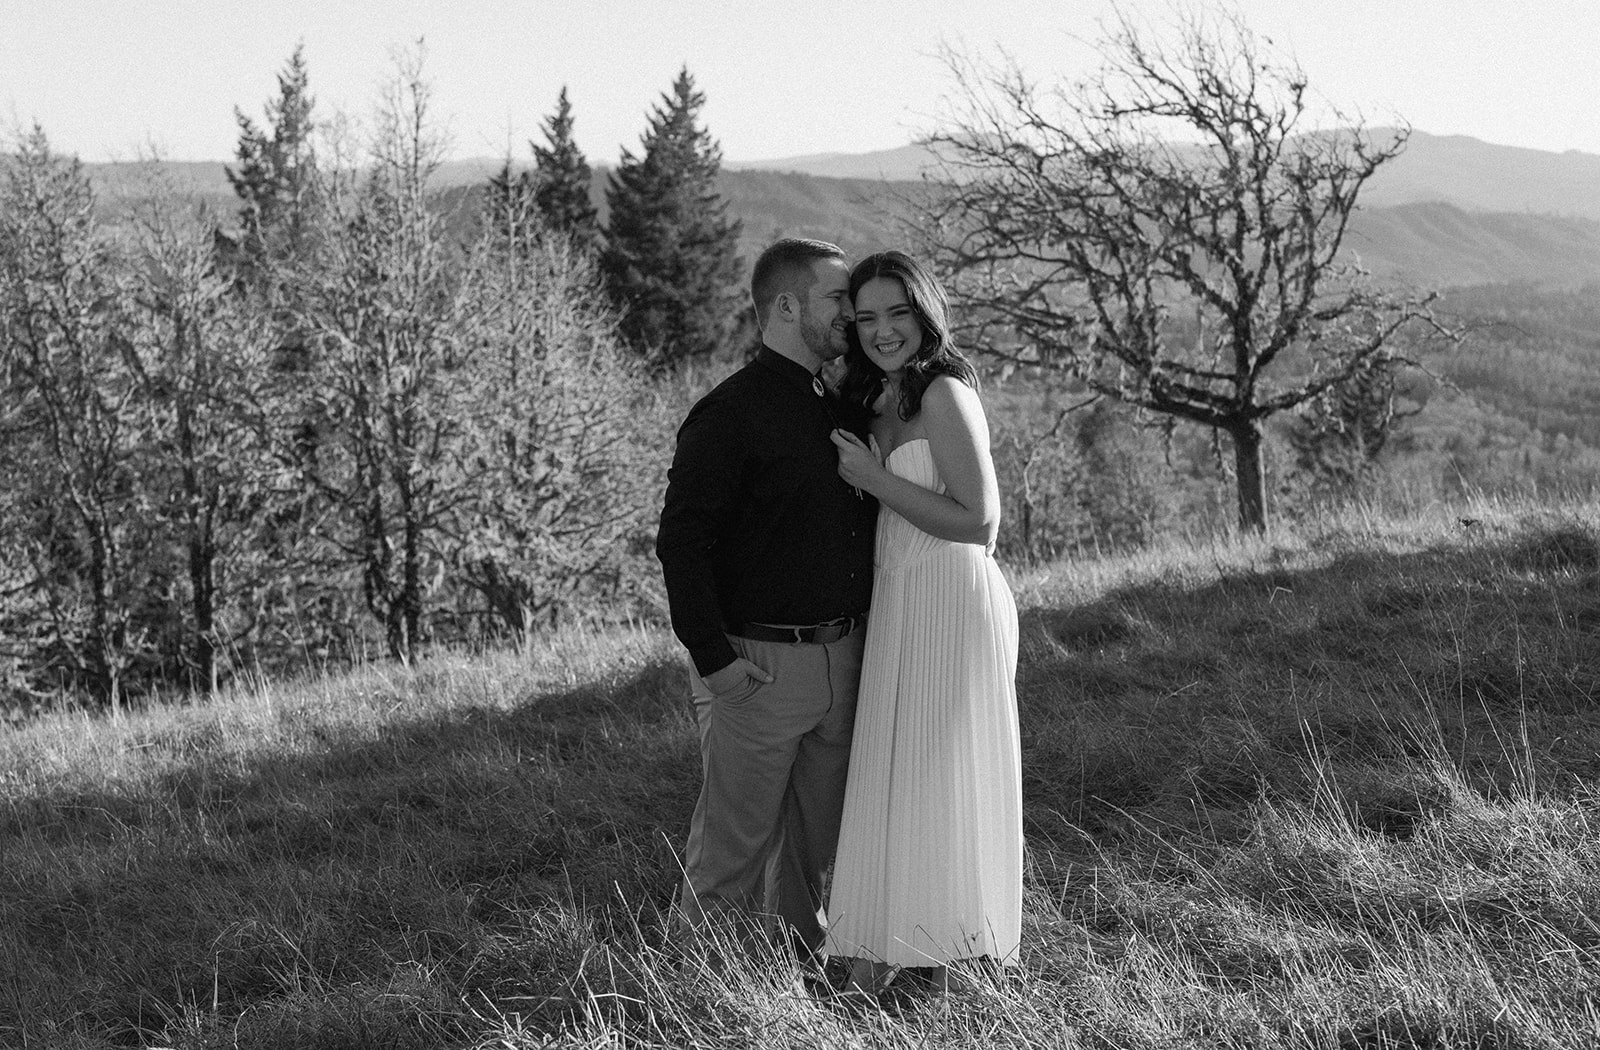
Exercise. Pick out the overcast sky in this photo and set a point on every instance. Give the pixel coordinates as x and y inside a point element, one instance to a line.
<point>107,79</point>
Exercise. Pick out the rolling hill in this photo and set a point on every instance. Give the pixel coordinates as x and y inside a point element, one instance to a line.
<point>1511,235</point>
<point>1450,211</point>
<point>1452,169</point>
<point>1437,245</point>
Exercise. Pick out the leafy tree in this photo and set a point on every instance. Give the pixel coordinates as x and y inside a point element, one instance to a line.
<point>670,260</point>
<point>1177,182</point>
<point>561,180</point>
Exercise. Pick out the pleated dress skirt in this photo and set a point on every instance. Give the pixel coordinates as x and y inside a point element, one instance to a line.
<point>929,866</point>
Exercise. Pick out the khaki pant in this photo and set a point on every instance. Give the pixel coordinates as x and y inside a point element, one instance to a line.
<point>773,759</point>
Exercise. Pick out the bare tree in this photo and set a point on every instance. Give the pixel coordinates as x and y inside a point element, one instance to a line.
<point>1168,231</point>
<point>201,361</point>
<point>466,420</point>
<point>65,440</point>
<point>381,303</point>
<point>553,437</point>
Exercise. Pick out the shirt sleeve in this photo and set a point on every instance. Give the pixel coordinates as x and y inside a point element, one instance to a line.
<point>702,487</point>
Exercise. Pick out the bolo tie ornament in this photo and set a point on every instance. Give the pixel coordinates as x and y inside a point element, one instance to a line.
<point>816,385</point>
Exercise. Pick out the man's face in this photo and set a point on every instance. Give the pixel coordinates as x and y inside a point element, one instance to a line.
<point>825,313</point>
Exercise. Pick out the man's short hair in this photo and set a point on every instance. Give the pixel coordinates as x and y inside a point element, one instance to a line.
<point>786,267</point>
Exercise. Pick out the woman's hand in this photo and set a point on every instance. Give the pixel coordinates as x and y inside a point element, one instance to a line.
<point>857,465</point>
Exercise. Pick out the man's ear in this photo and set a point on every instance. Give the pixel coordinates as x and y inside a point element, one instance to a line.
<point>787,306</point>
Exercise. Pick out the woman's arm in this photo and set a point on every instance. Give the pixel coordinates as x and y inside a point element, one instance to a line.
<point>958,435</point>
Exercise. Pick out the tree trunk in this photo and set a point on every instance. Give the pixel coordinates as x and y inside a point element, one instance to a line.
<point>203,599</point>
<point>104,657</point>
<point>202,555</point>
<point>411,585</point>
<point>1250,476</point>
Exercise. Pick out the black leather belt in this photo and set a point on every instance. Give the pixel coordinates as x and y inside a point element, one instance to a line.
<point>812,634</point>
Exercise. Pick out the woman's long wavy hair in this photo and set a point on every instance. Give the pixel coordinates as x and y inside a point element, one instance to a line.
<point>938,356</point>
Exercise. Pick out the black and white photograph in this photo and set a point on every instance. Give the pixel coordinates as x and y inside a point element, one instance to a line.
<point>607,525</point>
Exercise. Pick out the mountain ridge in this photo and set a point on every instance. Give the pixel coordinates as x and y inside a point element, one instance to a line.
<point>1451,210</point>
<point>1467,172</point>
<point>1452,169</point>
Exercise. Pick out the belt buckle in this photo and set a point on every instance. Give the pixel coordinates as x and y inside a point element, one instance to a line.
<point>839,627</point>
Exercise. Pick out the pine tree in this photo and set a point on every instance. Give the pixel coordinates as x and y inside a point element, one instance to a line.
<point>275,176</point>
<point>561,180</point>
<point>670,259</point>
<point>1338,436</point>
<point>509,212</point>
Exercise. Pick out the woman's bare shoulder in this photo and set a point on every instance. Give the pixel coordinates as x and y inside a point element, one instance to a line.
<point>949,396</point>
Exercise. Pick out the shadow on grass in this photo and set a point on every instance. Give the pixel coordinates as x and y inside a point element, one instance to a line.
<point>411,867</point>
<point>505,853</point>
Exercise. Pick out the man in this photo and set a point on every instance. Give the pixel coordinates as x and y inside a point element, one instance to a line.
<point>767,558</point>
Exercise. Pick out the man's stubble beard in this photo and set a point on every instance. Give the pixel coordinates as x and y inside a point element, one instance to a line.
<point>819,339</point>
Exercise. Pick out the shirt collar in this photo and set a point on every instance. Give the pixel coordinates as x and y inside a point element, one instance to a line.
<point>791,371</point>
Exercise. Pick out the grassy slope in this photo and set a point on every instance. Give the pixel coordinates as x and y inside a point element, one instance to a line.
<point>1333,790</point>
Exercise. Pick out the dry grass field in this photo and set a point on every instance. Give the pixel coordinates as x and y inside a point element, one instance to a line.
<point>1333,788</point>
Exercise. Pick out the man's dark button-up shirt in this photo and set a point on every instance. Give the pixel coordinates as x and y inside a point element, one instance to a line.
<point>757,526</point>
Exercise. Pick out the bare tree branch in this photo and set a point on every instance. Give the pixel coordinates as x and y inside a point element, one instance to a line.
<point>1082,226</point>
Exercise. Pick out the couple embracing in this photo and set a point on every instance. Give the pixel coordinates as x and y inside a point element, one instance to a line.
<point>828,564</point>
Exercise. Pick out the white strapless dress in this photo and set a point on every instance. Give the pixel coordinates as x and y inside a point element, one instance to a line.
<point>929,865</point>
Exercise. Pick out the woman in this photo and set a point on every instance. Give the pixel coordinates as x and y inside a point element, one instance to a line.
<point>929,867</point>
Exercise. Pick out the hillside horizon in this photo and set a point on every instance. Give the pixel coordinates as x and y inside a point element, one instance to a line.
<point>1449,211</point>
<point>1460,170</point>
<point>1520,282</point>
<point>1469,173</point>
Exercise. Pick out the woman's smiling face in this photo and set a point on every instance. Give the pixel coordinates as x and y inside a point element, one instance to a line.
<point>886,325</point>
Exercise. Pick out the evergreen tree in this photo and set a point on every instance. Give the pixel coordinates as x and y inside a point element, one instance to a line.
<point>1338,436</point>
<point>670,259</point>
<point>561,180</point>
<point>275,176</point>
<point>509,213</point>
